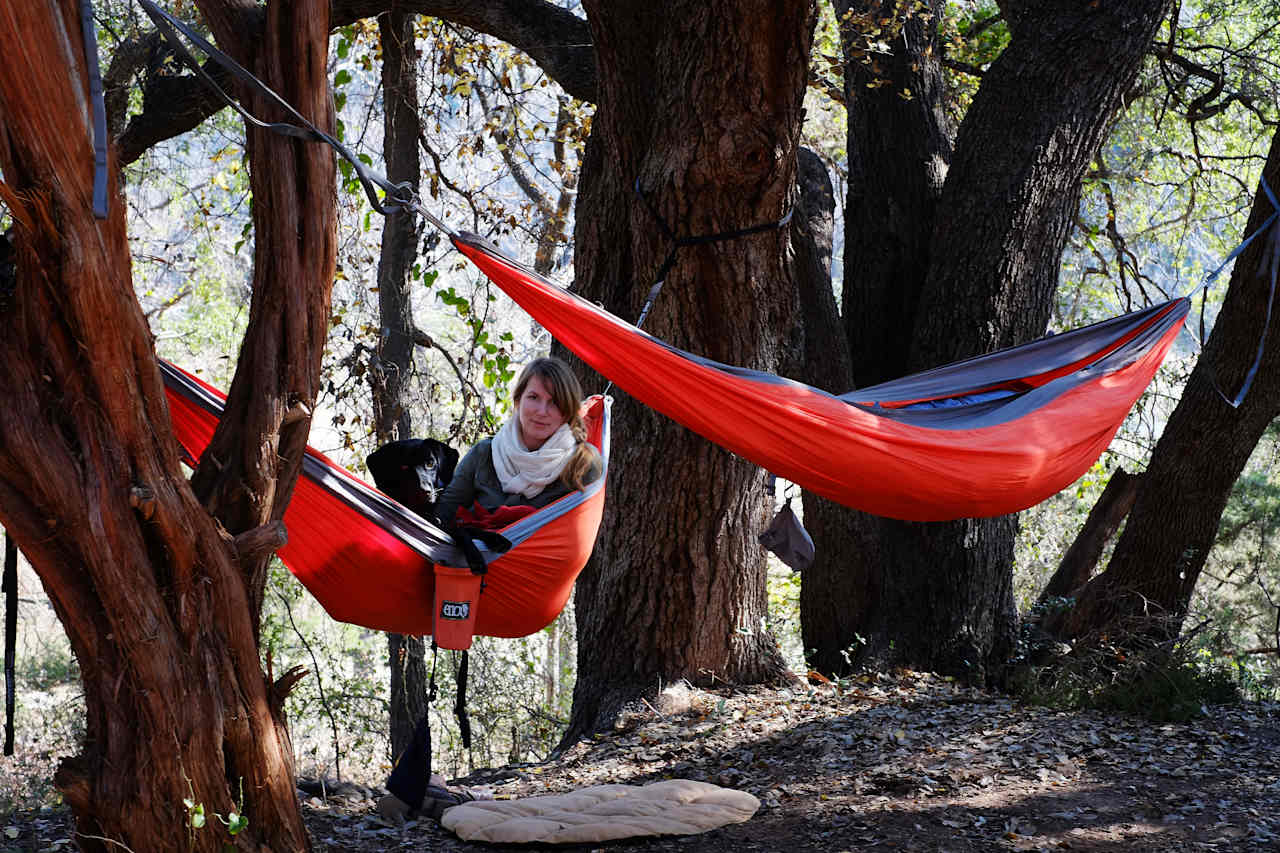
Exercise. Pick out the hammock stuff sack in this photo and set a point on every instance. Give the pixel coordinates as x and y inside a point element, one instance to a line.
<point>368,560</point>
<point>987,436</point>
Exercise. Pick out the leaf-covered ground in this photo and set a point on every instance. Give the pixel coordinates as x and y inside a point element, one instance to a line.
<point>913,763</point>
<point>910,762</point>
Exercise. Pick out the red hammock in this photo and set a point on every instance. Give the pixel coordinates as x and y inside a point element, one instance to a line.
<point>987,436</point>
<point>368,560</point>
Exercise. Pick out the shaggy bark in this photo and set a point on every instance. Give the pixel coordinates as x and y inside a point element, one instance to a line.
<point>701,105</point>
<point>1203,448</point>
<point>939,596</point>
<point>159,604</point>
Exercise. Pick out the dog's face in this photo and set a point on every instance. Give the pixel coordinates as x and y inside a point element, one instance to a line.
<point>414,471</point>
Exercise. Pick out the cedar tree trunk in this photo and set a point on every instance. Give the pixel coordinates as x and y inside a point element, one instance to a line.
<point>1205,445</point>
<point>702,105</point>
<point>159,599</point>
<point>939,596</point>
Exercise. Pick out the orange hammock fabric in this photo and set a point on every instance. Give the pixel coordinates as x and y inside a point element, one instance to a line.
<point>369,561</point>
<point>987,436</point>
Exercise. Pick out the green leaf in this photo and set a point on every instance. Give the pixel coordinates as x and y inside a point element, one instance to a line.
<point>342,78</point>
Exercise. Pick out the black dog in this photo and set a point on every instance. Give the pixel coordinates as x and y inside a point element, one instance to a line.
<point>414,471</point>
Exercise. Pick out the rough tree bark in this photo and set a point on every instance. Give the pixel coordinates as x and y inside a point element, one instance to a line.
<point>1204,446</point>
<point>393,360</point>
<point>159,599</point>
<point>823,356</point>
<point>701,105</point>
<point>939,596</point>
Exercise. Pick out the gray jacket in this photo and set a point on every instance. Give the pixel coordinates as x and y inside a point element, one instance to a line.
<point>475,480</point>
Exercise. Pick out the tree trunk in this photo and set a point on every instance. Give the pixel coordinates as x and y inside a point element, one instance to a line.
<point>702,106</point>
<point>1104,520</point>
<point>1206,443</point>
<point>159,601</point>
<point>247,483</point>
<point>899,153</point>
<point>393,361</point>
<point>939,596</point>
<point>823,361</point>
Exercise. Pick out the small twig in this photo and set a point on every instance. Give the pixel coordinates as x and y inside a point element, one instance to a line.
<point>119,844</point>
<point>324,699</point>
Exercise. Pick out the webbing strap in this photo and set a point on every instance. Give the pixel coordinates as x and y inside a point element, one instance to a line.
<point>98,104</point>
<point>678,243</point>
<point>1271,226</point>
<point>702,239</point>
<point>460,704</point>
<point>10,584</point>
<point>398,196</point>
<point>431,684</point>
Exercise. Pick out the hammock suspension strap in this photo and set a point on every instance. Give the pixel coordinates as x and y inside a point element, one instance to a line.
<point>1270,226</point>
<point>398,196</point>
<point>99,108</point>
<point>678,243</point>
<point>10,586</point>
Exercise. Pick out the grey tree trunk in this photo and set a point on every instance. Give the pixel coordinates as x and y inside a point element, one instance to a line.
<point>978,276</point>
<point>1148,583</point>
<point>702,106</point>
<point>1104,520</point>
<point>822,354</point>
<point>394,355</point>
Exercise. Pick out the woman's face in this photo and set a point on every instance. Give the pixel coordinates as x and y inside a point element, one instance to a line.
<point>539,415</point>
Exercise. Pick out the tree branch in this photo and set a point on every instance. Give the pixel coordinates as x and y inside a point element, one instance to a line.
<point>555,38</point>
<point>266,539</point>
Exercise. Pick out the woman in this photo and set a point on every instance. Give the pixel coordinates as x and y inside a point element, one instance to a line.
<point>538,456</point>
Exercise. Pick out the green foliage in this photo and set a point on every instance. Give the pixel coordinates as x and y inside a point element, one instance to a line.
<point>973,35</point>
<point>235,822</point>
<point>339,713</point>
<point>783,617</point>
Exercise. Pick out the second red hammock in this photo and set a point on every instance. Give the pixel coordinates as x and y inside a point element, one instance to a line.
<point>988,436</point>
<point>369,560</point>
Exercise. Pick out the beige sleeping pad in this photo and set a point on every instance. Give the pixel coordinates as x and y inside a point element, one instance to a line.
<point>602,813</point>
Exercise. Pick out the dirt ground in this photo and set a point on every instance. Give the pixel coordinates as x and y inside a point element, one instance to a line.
<point>909,762</point>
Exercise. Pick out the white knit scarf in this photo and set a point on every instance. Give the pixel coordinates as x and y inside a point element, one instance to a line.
<point>528,472</point>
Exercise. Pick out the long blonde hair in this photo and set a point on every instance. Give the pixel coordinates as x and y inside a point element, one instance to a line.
<point>566,393</point>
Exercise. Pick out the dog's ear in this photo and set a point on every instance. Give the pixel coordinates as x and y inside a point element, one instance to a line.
<point>448,462</point>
